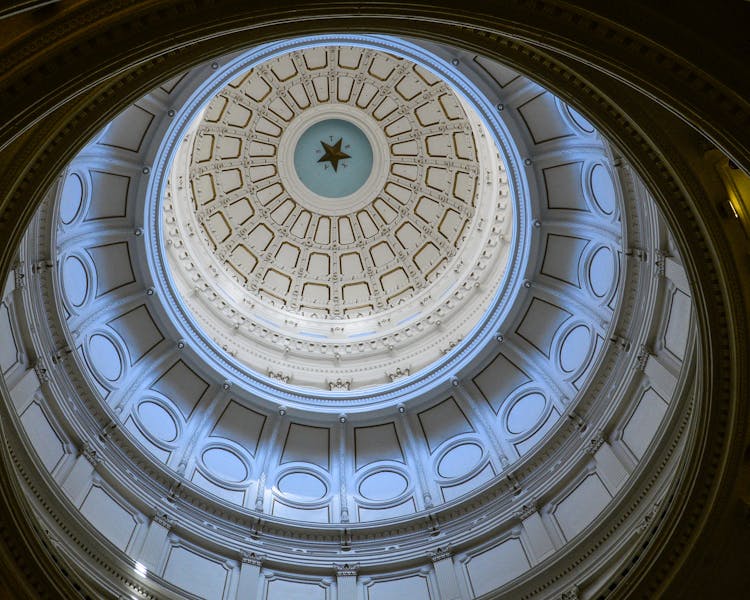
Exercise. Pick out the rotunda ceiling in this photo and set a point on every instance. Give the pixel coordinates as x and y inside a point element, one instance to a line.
<point>347,214</point>
<point>235,218</point>
<point>336,216</point>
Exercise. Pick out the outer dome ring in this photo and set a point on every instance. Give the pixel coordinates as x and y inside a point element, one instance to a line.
<point>442,372</point>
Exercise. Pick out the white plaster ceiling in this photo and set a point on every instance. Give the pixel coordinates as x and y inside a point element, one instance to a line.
<point>351,292</point>
<point>342,464</point>
<point>554,410</point>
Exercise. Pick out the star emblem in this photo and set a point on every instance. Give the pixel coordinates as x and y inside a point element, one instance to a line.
<point>333,154</point>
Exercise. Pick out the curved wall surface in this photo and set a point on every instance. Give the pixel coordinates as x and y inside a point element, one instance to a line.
<point>534,465</point>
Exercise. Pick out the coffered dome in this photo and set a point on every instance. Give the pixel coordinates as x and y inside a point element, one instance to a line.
<point>338,274</point>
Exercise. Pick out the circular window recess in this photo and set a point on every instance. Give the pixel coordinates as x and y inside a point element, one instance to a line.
<point>302,487</point>
<point>525,413</point>
<point>75,281</point>
<point>603,189</point>
<point>105,357</point>
<point>157,421</point>
<point>575,348</point>
<point>602,272</point>
<point>225,465</point>
<point>383,485</point>
<point>459,461</point>
<point>71,198</point>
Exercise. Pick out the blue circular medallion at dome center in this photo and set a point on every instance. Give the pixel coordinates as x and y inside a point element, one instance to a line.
<point>333,158</point>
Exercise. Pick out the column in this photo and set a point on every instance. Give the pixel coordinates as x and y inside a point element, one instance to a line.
<point>78,481</point>
<point>346,581</point>
<point>661,379</point>
<point>608,466</point>
<point>249,576</point>
<point>155,542</point>
<point>538,538</point>
<point>445,573</point>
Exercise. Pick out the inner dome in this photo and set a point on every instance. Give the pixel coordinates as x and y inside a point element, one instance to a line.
<point>347,265</point>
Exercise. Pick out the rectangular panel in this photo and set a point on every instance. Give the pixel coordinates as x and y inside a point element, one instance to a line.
<point>128,129</point>
<point>42,436</point>
<point>543,119</point>
<point>500,74</point>
<point>581,506</point>
<point>241,425</point>
<point>379,442</point>
<point>562,257</point>
<point>678,324</point>
<point>563,186</point>
<point>492,568</point>
<point>540,324</point>
<point>286,589</point>
<point>8,348</point>
<point>643,423</point>
<point>138,330</point>
<point>23,392</point>
<point>109,195</point>
<point>498,379</point>
<point>109,517</point>
<point>442,422</point>
<point>182,386</point>
<point>409,587</point>
<point>197,574</point>
<point>305,443</point>
<point>113,267</point>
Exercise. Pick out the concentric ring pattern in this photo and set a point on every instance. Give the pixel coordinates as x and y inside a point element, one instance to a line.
<point>552,329</point>
<point>382,280</point>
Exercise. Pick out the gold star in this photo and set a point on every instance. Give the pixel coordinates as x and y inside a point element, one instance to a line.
<point>333,154</point>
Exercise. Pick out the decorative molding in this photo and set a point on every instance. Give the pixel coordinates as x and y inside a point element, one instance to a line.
<point>515,485</point>
<point>279,376</point>
<point>90,453</point>
<point>595,443</point>
<point>648,518</point>
<point>164,519</point>
<point>250,557</point>
<point>340,385</point>
<point>398,374</point>
<point>642,358</point>
<point>40,266</point>
<point>19,277</point>
<point>621,342</point>
<point>528,508</point>
<point>41,371</point>
<point>660,263</point>
<point>346,541</point>
<point>441,553</point>
<point>638,253</point>
<point>346,569</point>
<point>578,420</point>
